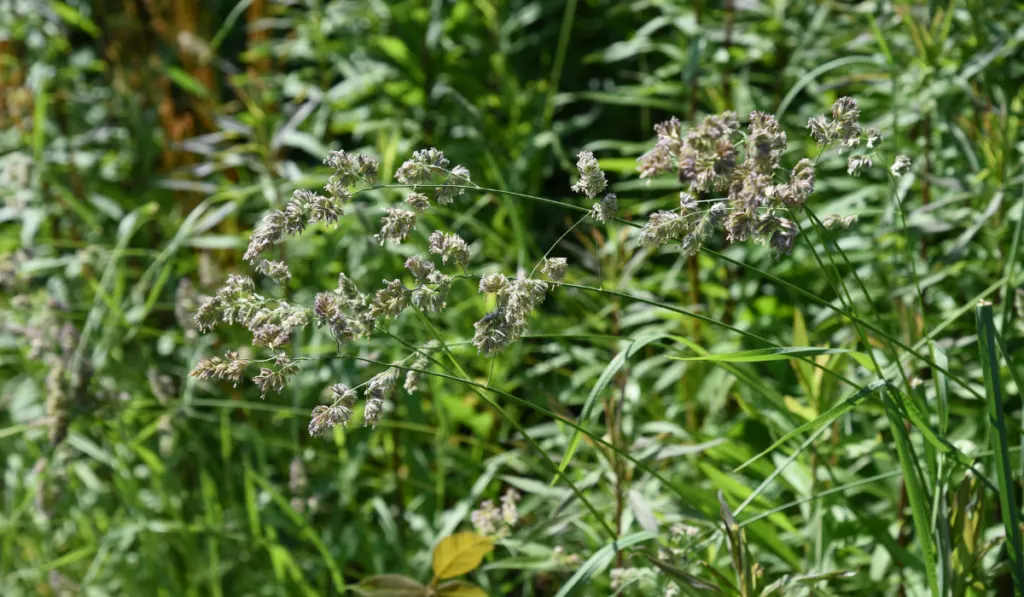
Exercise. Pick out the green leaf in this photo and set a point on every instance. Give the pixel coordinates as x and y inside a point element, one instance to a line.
<point>916,494</point>
<point>460,553</point>
<point>999,440</point>
<point>187,82</point>
<point>228,23</point>
<point>390,585</point>
<point>74,18</point>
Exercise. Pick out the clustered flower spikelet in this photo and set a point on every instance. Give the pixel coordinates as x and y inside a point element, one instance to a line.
<point>422,166</point>
<point>230,368</point>
<point>604,210</point>
<point>509,507</point>
<point>275,270</point>
<point>330,311</point>
<point>339,412</point>
<point>350,169</point>
<point>237,302</point>
<point>414,375</point>
<point>452,187</point>
<point>765,142</point>
<point>430,167</point>
<point>592,181</point>
<point>901,165</point>
<point>304,208</point>
<point>433,296</point>
<point>449,246</point>
<point>275,378</point>
<point>325,417</point>
<point>377,392</point>
<point>661,227</point>
<point>396,225</point>
<point>389,301</point>
<point>702,231</point>
<point>554,268</point>
<point>432,293</point>
<point>706,156</point>
<point>835,221</point>
<point>493,283</point>
<point>420,268</point>
<point>857,163</point>
<point>714,157</point>
<point>874,138</point>
<point>271,336</point>
<point>844,126</point>
<point>418,202</point>
<point>508,322</point>
<point>485,519</point>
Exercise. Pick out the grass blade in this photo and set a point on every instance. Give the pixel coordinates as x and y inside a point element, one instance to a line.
<point>920,511</point>
<point>762,355</point>
<point>1000,440</point>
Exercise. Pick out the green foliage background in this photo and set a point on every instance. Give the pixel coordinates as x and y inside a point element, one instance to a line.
<point>140,141</point>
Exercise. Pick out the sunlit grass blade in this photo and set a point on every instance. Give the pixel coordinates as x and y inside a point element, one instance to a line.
<point>763,355</point>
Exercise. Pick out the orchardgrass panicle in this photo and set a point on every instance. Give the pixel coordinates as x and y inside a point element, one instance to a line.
<point>735,182</point>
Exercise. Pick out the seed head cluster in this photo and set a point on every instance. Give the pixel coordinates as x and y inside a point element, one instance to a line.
<point>716,158</point>
<point>509,321</point>
<point>592,181</point>
<point>345,313</point>
<point>735,182</point>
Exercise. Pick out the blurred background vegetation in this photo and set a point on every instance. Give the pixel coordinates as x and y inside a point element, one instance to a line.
<point>140,140</point>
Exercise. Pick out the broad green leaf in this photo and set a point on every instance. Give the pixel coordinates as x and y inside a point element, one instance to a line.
<point>460,553</point>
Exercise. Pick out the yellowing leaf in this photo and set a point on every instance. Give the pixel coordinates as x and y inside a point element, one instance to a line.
<point>390,585</point>
<point>459,553</point>
<point>458,588</point>
<point>794,406</point>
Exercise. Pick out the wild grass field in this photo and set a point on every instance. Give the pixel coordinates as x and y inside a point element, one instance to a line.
<point>473,298</point>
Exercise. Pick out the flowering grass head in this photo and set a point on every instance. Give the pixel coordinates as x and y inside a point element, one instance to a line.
<point>736,182</point>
